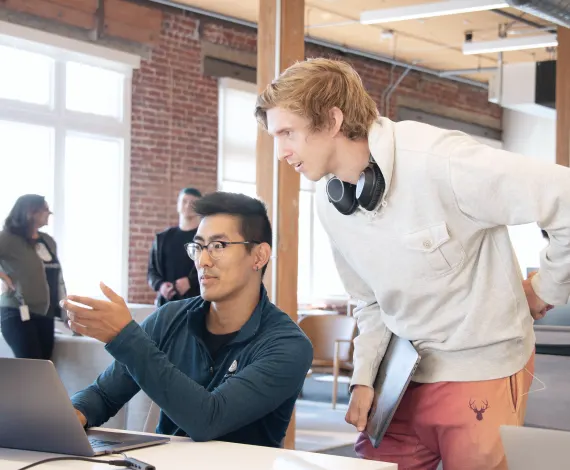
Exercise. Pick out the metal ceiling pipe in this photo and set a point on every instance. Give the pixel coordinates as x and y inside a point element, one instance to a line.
<point>520,19</point>
<point>388,60</point>
<point>319,42</point>
<point>450,73</point>
<point>392,90</point>
<point>554,11</point>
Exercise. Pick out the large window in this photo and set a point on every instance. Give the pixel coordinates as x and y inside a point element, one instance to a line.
<point>318,278</point>
<point>64,134</point>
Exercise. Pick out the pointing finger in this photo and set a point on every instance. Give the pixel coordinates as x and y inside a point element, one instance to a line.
<point>76,309</point>
<point>86,321</point>
<point>111,294</point>
<point>90,302</point>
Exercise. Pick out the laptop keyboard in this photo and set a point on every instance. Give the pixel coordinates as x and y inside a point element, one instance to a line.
<point>96,443</point>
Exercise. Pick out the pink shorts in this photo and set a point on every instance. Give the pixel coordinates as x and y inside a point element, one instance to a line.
<point>457,422</point>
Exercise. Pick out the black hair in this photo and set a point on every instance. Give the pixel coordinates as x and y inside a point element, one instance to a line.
<point>545,235</point>
<point>18,221</point>
<point>191,192</point>
<point>254,221</point>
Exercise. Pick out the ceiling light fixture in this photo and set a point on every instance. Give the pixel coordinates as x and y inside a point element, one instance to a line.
<point>510,44</point>
<point>428,10</point>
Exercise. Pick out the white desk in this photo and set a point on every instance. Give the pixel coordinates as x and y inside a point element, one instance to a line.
<point>183,453</point>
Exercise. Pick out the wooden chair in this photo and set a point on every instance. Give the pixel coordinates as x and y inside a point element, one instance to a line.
<point>151,421</point>
<point>332,338</point>
<point>350,306</point>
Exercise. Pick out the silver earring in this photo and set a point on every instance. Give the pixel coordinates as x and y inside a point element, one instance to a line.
<point>256,268</point>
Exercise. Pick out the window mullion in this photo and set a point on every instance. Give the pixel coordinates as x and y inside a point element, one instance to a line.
<point>125,209</point>
<point>93,125</point>
<point>312,247</point>
<point>59,153</point>
<point>40,117</point>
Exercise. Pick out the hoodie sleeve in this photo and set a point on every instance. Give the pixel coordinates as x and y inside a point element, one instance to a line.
<point>494,187</point>
<point>373,336</point>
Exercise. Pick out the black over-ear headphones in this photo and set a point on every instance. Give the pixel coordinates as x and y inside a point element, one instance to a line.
<point>367,192</point>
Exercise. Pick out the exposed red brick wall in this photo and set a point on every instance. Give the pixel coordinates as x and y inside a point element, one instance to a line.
<point>174,139</point>
<point>175,118</point>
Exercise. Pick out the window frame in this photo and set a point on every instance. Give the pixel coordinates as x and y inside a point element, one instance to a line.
<point>56,116</point>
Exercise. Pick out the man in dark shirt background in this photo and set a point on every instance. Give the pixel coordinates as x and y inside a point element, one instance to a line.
<point>171,273</point>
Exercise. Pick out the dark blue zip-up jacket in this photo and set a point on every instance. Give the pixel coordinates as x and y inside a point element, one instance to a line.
<point>247,395</point>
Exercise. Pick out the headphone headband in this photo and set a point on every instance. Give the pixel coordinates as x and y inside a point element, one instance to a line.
<point>367,192</point>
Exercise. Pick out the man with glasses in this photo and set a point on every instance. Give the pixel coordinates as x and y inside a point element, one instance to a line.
<point>228,365</point>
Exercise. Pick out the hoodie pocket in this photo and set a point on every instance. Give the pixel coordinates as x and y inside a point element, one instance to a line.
<point>437,252</point>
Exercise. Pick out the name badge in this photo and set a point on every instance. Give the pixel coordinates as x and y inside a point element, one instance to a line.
<point>24,312</point>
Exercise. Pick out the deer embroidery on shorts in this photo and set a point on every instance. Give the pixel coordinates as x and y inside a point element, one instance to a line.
<point>479,411</point>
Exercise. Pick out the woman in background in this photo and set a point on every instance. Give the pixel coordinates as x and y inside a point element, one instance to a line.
<point>33,282</point>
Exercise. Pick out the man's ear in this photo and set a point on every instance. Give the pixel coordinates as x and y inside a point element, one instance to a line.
<point>336,118</point>
<point>262,255</point>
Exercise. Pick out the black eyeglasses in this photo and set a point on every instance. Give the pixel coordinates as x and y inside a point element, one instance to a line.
<point>215,248</point>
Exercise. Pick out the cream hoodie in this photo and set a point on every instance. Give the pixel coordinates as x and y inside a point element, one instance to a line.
<point>434,262</point>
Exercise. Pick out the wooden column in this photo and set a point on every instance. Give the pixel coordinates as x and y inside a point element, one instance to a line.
<point>563,98</point>
<point>280,43</point>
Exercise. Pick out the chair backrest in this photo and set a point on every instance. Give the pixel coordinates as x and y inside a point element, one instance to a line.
<point>350,306</point>
<point>152,417</point>
<point>324,330</point>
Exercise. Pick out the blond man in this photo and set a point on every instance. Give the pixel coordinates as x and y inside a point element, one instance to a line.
<point>417,218</point>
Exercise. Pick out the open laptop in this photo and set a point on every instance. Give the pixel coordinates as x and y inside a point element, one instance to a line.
<point>394,375</point>
<point>535,448</point>
<point>36,414</point>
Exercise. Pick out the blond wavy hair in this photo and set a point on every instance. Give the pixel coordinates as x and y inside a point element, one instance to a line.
<point>312,88</point>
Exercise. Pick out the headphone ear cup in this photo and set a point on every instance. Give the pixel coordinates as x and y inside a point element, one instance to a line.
<point>379,186</point>
<point>342,195</point>
<point>370,187</point>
